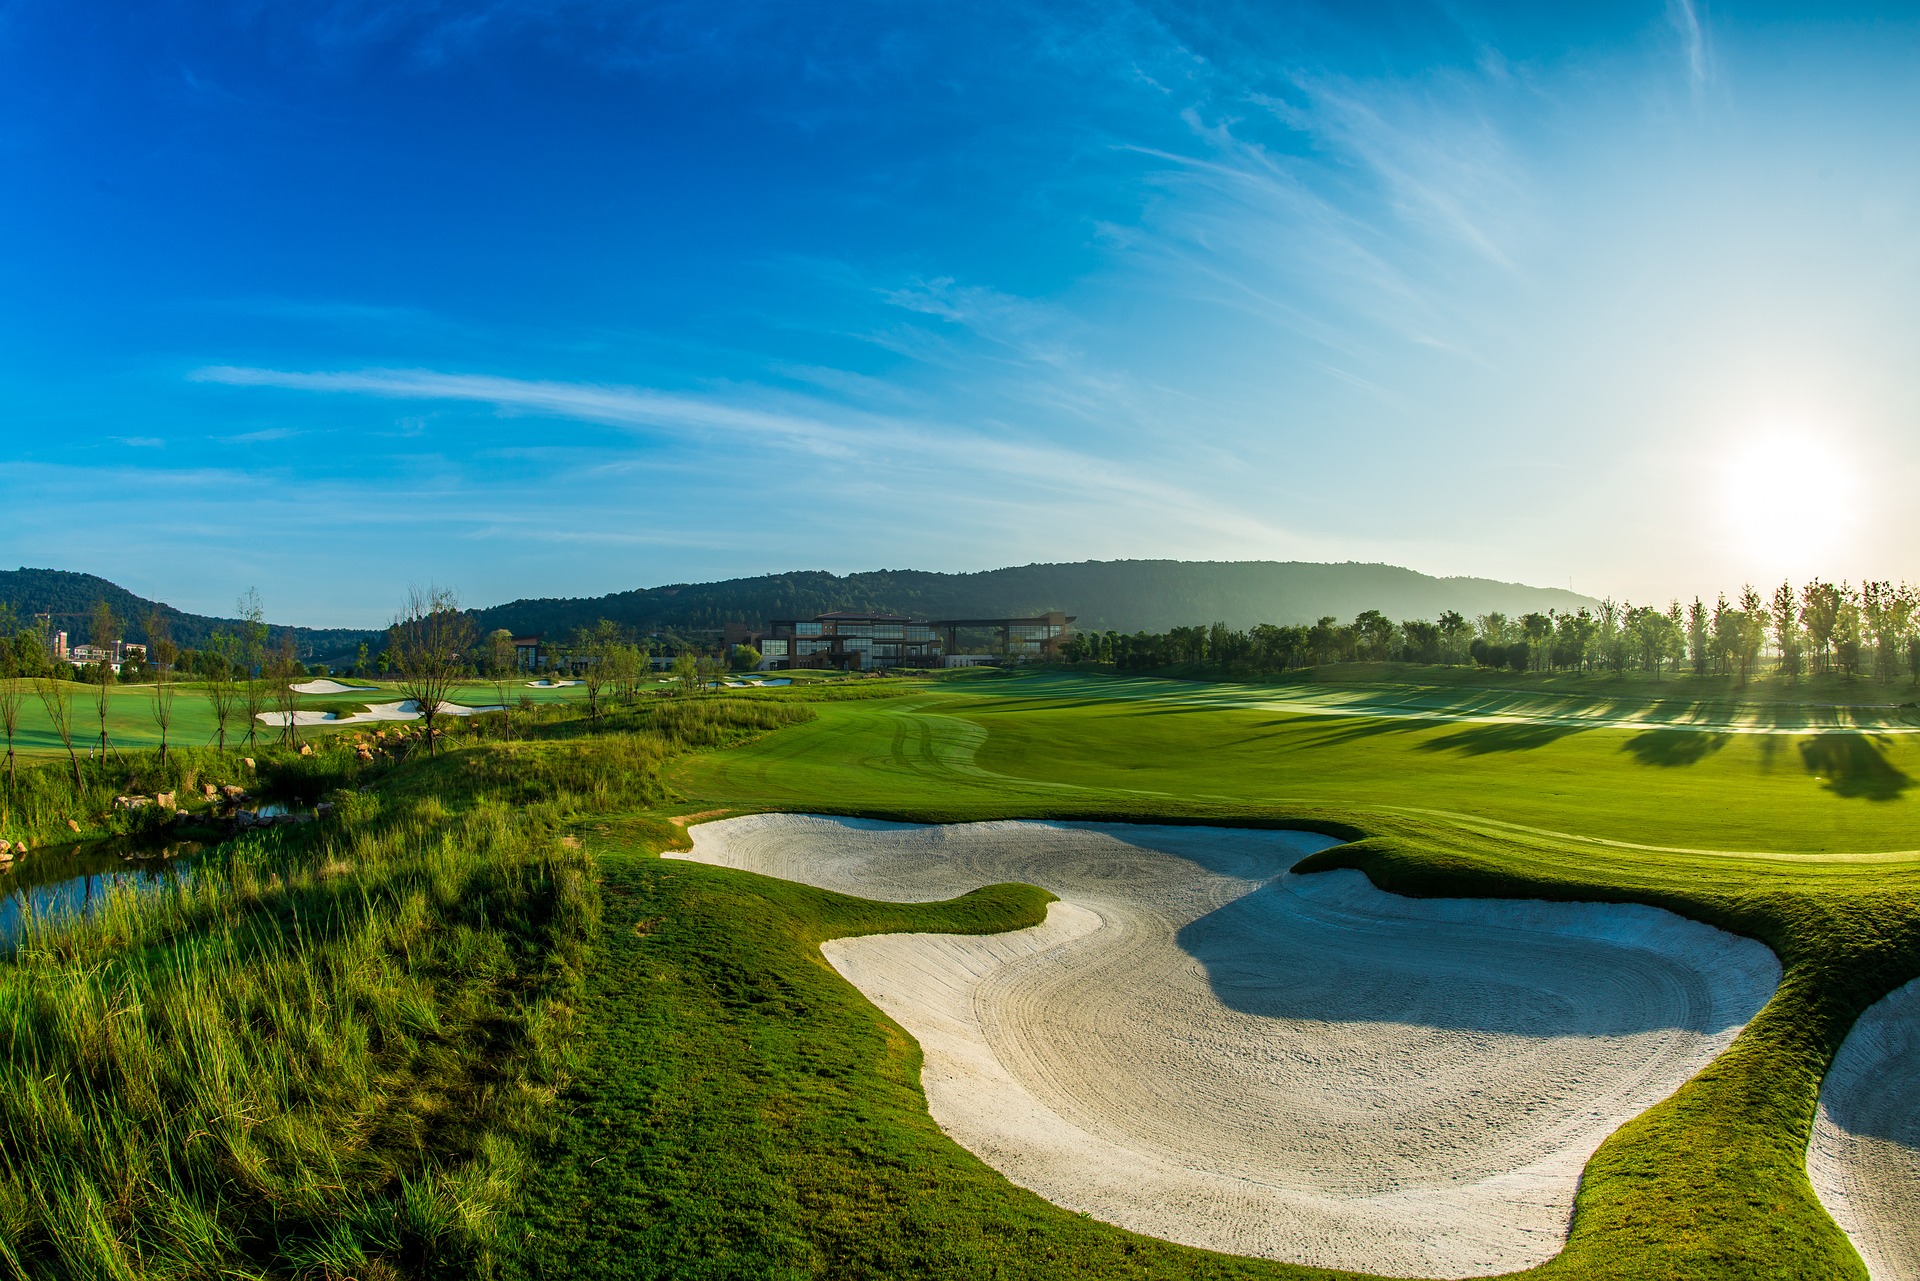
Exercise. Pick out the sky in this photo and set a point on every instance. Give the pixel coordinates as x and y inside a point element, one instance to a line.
<point>565,297</point>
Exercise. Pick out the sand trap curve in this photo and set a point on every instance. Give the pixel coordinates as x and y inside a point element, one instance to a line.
<point>405,710</point>
<point>1864,1159</point>
<point>324,686</point>
<point>1201,1046</point>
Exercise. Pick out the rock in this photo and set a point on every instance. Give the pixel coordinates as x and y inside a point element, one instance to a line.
<point>247,761</point>
<point>210,790</point>
<point>132,802</point>
<point>245,818</point>
<point>75,826</point>
<point>165,800</point>
<point>6,847</point>
<point>306,749</point>
<point>233,793</point>
<point>323,809</point>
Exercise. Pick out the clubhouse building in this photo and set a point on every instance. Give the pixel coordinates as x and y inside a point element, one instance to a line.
<point>852,642</point>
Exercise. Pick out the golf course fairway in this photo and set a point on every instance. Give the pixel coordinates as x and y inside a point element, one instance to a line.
<point>1804,842</point>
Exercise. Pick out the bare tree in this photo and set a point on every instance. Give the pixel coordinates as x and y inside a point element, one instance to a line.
<point>429,643</point>
<point>503,667</point>
<point>161,655</point>
<point>223,689</point>
<point>253,660</point>
<point>10,691</point>
<point>56,695</point>
<point>282,674</point>
<point>103,633</point>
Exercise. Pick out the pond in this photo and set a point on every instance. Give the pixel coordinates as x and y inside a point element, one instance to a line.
<point>61,880</point>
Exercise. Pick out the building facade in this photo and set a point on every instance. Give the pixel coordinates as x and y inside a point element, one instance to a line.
<point>853,642</point>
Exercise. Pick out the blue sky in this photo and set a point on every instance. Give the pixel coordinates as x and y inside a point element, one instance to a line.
<point>553,298</point>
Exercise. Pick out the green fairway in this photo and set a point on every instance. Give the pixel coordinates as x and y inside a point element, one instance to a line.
<point>1803,840</point>
<point>1035,742</point>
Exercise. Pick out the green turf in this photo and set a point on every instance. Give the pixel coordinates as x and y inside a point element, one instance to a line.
<point>1793,839</point>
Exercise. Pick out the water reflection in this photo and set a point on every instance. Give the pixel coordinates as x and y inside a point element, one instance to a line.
<point>65,880</point>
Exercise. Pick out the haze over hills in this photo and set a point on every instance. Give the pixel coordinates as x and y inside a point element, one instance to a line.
<point>1121,595</point>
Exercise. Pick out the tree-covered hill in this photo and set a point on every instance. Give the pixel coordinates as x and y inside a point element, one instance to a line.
<point>1124,595</point>
<point>70,598</point>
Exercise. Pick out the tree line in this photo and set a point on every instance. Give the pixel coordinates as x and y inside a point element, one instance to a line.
<point>1869,630</point>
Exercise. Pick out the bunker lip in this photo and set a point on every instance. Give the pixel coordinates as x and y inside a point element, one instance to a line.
<point>1863,1158</point>
<point>325,686</point>
<point>1200,1045</point>
<point>406,709</point>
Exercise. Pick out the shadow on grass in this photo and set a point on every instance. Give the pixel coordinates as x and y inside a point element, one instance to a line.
<point>1483,740</point>
<point>1674,747</point>
<point>1854,765</point>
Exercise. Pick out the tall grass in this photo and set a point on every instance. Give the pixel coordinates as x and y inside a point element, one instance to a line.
<point>324,1055</point>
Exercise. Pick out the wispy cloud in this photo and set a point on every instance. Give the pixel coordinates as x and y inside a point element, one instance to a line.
<point>1693,43</point>
<point>868,441</point>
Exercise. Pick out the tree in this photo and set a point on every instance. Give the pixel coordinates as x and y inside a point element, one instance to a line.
<point>1455,631</point>
<point>103,633</point>
<point>1699,637</point>
<point>1615,649</point>
<point>56,696</point>
<point>10,691</point>
<point>1819,614</point>
<point>253,660</point>
<point>283,672</point>
<point>428,641</point>
<point>1538,630</point>
<point>163,653</point>
<point>595,648</point>
<point>1788,639</point>
<point>360,662</point>
<point>503,668</point>
<point>1846,631</point>
<point>223,690</point>
<point>746,657</point>
<point>1752,635</point>
<point>686,671</point>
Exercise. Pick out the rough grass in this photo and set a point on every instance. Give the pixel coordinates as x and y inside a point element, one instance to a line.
<point>324,1054</point>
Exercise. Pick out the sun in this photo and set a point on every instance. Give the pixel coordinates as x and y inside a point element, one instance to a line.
<point>1790,501</point>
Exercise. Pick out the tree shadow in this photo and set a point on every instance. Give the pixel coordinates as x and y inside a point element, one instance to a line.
<point>1853,765</point>
<point>1674,747</point>
<point>1483,740</point>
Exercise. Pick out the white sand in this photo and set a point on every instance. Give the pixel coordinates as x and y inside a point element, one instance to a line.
<point>1864,1159</point>
<point>324,686</point>
<point>550,684</point>
<point>1198,1046</point>
<point>404,710</point>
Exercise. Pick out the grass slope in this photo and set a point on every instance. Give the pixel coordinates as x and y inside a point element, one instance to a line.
<point>744,1113</point>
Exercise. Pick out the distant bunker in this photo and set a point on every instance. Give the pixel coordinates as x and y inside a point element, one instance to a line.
<point>1202,1046</point>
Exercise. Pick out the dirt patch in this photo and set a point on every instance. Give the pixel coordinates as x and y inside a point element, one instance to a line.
<point>1199,1045</point>
<point>681,820</point>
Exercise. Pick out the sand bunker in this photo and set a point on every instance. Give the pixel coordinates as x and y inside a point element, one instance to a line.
<point>324,686</point>
<point>404,710</point>
<point>550,684</point>
<point>1864,1159</point>
<point>1203,1047</point>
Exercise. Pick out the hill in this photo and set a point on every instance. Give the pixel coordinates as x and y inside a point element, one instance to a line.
<point>70,598</point>
<point>1122,595</point>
